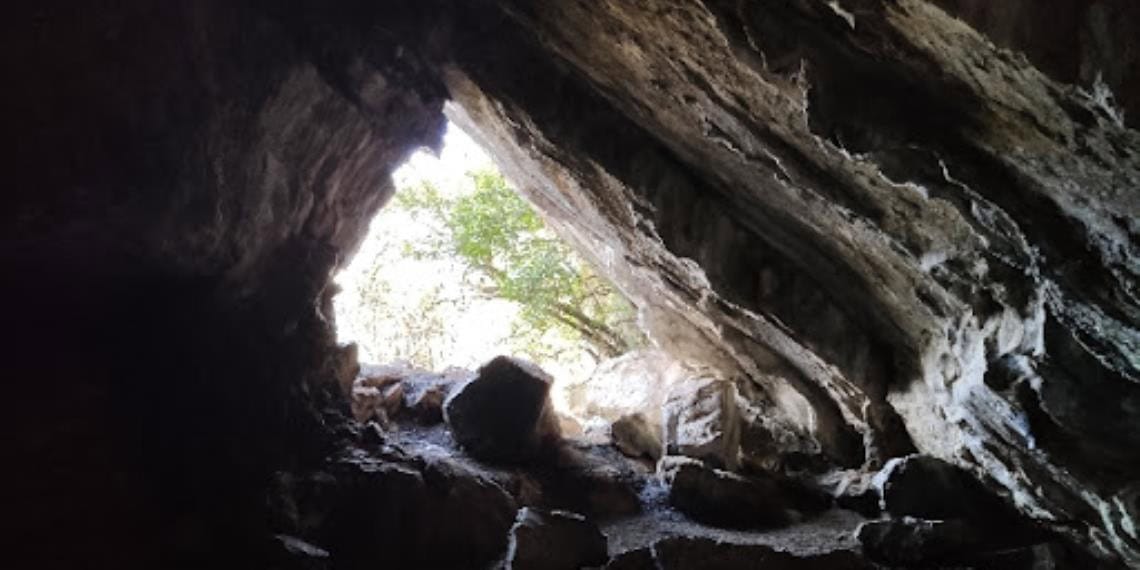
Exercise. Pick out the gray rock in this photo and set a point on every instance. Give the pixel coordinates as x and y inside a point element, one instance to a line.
<point>504,414</point>
<point>636,437</point>
<point>725,499</point>
<point>594,480</point>
<point>854,490</point>
<point>915,541</point>
<point>929,488</point>
<point>555,540</point>
<point>422,513</point>
<point>926,487</point>
<point>702,421</point>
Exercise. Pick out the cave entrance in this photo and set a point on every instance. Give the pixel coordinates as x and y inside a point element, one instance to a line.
<point>458,268</point>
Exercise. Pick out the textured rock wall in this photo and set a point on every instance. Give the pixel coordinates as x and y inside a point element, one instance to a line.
<point>183,180</point>
<point>905,235</point>
<point>889,232</point>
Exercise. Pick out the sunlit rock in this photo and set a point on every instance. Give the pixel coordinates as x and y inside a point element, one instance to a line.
<point>634,436</point>
<point>702,421</point>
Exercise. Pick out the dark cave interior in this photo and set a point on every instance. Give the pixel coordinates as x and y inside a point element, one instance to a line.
<point>903,235</point>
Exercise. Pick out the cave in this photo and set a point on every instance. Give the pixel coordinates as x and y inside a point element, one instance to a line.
<point>904,234</point>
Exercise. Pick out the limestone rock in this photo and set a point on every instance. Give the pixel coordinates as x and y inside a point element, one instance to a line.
<point>555,540</point>
<point>721,498</point>
<point>504,414</point>
<point>594,480</point>
<point>928,488</point>
<point>434,513</point>
<point>907,540</point>
<point>852,489</point>
<point>636,437</point>
<point>639,559</point>
<point>907,236</point>
<point>702,421</point>
<point>639,380</point>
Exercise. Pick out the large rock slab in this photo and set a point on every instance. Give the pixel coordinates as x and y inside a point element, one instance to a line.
<point>928,488</point>
<point>412,513</point>
<point>636,437</point>
<point>554,540</point>
<point>702,421</point>
<point>909,541</point>
<point>890,221</point>
<point>725,499</point>
<point>639,380</point>
<point>504,414</point>
<point>692,553</point>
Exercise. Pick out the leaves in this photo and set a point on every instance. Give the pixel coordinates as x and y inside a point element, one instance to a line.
<point>511,255</point>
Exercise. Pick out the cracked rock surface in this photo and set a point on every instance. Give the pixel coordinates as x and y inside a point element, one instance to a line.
<point>894,226</point>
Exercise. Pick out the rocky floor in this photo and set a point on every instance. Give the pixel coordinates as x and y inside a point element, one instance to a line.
<point>484,487</point>
<point>829,531</point>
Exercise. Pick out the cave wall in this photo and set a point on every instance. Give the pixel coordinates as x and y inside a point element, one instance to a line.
<point>901,235</point>
<point>937,252</point>
<point>186,179</point>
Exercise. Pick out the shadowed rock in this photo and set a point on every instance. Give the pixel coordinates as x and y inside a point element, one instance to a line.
<point>634,436</point>
<point>721,498</point>
<point>555,540</point>
<point>504,414</point>
<point>688,553</point>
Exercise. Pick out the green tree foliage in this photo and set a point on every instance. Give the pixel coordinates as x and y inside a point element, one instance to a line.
<point>510,254</point>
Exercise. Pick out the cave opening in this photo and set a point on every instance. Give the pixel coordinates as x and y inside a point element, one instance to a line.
<point>917,350</point>
<point>458,268</point>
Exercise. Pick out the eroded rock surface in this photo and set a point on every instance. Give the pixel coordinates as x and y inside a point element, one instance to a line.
<point>555,540</point>
<point>504,414</point>
<point>889,233</point>
<point>687,553</point>
<point>725,499</point>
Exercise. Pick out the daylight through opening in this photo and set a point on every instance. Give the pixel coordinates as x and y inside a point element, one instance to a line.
<point>458,268</point>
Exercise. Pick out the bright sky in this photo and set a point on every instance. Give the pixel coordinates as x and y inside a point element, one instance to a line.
<point>471,337</point>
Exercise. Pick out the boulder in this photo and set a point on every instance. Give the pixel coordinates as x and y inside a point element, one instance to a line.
<point>504,414</point>
<point>638,380</point>
<point>421,513</point>
<point>854,490</point>
<point>554,540</point>
<point>426,392</point>
<point>702,421</point>
<point>594,480</point>
<point>724,499</point>
<point>910,541</point>
<point>926,487</point>
<point>635,436</point>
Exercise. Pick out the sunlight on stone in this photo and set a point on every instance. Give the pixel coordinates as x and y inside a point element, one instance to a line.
<point>427,314</point>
